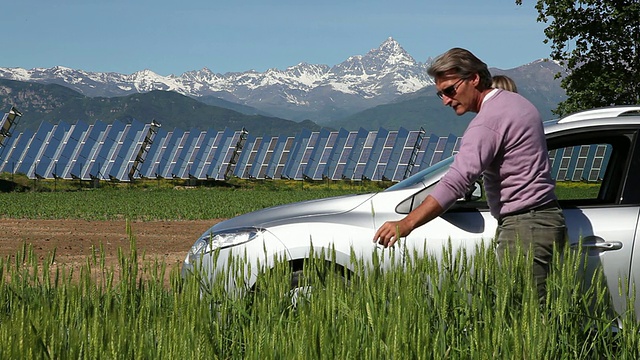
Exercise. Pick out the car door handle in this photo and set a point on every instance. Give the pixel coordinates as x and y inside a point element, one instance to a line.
<point>598,243</point>
<point>606,246</point>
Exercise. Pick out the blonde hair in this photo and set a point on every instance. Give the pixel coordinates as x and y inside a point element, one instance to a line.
<point>504,82</point>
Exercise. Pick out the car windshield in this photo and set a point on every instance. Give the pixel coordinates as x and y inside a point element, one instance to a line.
<point>421,175</point>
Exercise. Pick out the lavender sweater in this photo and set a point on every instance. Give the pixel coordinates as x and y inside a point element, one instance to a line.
<point>506,143</point>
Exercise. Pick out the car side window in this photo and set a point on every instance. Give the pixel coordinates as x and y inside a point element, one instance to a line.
<point>412,202</point>
<point>589,169</point>
<point>579,170</point>
<point>474,200</point>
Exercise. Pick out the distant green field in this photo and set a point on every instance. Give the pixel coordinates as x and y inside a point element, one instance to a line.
<point>162,204</point>
<point>166,203</point>
<point>577,190</point>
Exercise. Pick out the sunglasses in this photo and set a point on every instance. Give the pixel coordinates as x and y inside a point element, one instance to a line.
<point>450,91</point>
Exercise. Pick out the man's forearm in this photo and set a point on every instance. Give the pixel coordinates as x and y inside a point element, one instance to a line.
<point>425,212</point>
<point>389,233</point>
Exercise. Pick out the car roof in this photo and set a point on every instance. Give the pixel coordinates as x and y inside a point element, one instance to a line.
<point>606,112</point>
<point>608,116</point>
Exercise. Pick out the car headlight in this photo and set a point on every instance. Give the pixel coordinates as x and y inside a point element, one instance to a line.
<point>210,241</point>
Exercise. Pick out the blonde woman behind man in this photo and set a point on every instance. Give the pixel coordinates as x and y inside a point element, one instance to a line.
<point>504,82</point>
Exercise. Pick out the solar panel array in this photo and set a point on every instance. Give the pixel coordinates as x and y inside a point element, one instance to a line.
<point>128,151</point>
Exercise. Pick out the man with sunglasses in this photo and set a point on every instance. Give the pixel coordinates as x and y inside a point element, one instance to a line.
<point>505,143</point>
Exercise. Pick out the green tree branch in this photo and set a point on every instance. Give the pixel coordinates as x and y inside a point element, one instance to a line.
<point>598,42</point>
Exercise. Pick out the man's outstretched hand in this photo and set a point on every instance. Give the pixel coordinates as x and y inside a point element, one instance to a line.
<point>389,233</point>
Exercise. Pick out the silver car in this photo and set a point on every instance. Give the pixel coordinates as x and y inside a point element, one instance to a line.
<point>600,146</point>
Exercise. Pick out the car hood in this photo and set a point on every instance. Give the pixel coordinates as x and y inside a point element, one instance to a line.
<point>288,212</point>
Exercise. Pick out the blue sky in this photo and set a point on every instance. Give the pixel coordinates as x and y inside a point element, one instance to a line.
<point>171,37</point>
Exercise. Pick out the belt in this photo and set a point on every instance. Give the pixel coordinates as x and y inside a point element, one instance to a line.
<point>550,205</point>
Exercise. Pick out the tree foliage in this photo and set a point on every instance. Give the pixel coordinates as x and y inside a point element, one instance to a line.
<point>598,42</point>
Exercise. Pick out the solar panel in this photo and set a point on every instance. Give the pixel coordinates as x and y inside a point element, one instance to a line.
<point>127,149</point>
<point>373,168</point>
<point>183,155</point>
<point>276,157</point>
<point>224,146</point>
<point>69,154</point>
<point>150,166</point>
<point>198,158</point>
<point>50,151</point>
<point>169,152</point>
<point>394,151</point>
<point>30,159</point>
<point>258,166</point>
<point>14,148</point>
<point>89,149</point>
<point>291,168</point>
<point>315,157</point>
<point>331,169</point>
<point>132,141</point>
<point>354,154</point>
<point>110,151</point>
<point>248,153</point>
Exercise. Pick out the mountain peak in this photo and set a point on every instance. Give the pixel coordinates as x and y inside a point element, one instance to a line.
<point>389,54</point>
<point>61,68</point>
<point>390,45</point>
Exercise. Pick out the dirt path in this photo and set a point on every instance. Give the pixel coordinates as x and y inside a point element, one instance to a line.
<point>167,241</point>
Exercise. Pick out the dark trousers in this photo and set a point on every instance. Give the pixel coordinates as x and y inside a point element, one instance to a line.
<point>536,231</point>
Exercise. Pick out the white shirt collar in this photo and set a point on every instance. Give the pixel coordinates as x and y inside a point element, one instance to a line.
<point>490,94</point>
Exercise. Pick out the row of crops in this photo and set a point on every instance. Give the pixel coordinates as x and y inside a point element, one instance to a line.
<point>460,308</point>
<point>153,204</point>
<point>167,203</point>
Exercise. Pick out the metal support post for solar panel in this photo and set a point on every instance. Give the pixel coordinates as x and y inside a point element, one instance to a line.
<point>36,177</point>
<point>236,153</point>
<point>193,181</point>
<point>306,177</point>
<point>95,179</point>
<point>414,153</point>
<point>144,148</point>
<point>328,167</point>
<point>9,120</point>
<point>55,175</point>
<point>159,177</point>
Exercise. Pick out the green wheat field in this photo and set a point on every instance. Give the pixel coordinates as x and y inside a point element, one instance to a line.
<point>461,307</point>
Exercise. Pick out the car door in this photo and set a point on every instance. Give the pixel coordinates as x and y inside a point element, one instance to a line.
<point>596,172</point>
<point>594,168</point>
<point>464,225</point>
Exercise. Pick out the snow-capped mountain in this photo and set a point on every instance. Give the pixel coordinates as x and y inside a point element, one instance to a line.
<point>320,93</point>
<point>317,92</point>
